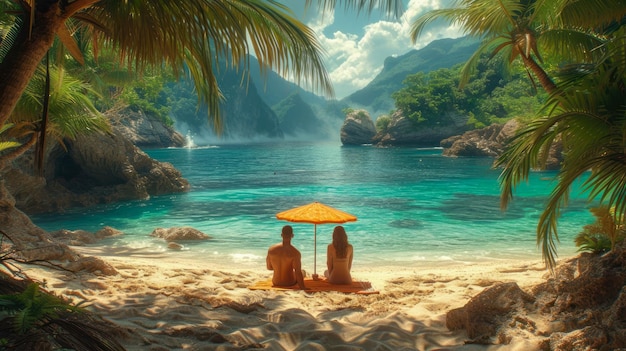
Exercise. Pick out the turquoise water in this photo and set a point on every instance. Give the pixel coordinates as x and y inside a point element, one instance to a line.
<point>413,206</point>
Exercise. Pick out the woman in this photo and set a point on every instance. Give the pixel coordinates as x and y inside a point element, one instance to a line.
<point>339,258</point>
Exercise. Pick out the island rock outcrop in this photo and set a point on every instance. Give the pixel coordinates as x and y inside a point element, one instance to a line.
<point>491,141</point>
<point>144,130</point>
<point>488,141</point>
<point>403,132</point>
<point>358,128</point>
<point>93,169</point>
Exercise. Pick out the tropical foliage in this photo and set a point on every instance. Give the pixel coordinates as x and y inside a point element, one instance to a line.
<point>588,117</point>
<point>602,235</point>
<point>586,109</point>
<point>382,122</point>
<point>429,99</point>
<point>150,96</point>
<point>36,320</point>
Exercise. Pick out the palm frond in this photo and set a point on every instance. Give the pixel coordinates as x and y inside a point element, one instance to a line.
<point>525,152</point>
<point>65,35</point>
<point>453,16</point>
<point>572,45</point>
<point>9,36</point>
<point>194,36</point>
<point>593,13</point>
<point>390,7</point>
<point>492,47</point>
<point>71,108</point>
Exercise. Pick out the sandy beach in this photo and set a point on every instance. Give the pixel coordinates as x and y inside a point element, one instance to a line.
<point>171,304</point>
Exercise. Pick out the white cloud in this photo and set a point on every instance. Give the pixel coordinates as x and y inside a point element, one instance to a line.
<point>354,59</point>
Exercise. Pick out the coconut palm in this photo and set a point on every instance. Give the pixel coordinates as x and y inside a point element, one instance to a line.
<point>513,29</point>
<point>588,114</point>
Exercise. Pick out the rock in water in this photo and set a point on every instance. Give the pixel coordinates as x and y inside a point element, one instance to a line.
<point>358,128</point>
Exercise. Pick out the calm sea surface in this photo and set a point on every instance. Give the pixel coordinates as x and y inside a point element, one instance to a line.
<point>414,206</point>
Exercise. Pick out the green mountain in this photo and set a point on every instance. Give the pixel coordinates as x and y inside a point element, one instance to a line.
<point>443,53</point>
<point>271,107</point>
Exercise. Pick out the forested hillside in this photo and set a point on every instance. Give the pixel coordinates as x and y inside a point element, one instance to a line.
<point>443,53</point>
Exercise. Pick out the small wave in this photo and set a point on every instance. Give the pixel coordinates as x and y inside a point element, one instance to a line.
<point>194,147</point>
<point>245,257</point>
<point>429,148</point>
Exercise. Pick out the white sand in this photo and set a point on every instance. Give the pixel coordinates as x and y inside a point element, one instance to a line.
<point>170,304</point>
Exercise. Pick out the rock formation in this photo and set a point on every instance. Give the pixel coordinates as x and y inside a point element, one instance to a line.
<point>144,130</point>
<point>491,142</point>
<point>23,241</point>
<point>96,168</point>
<point>179,233</point>
<point>358,128</point>
<point>82,237</point>
<point>488,141</point>
<point>403,132</point>
<point>582,306</point>
<point>243,113</point>
<point>481,316</point>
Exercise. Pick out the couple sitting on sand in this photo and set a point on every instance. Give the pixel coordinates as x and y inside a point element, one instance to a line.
<point>284,260</point>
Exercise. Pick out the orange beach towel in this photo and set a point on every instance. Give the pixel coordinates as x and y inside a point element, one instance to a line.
<point>357,287</point>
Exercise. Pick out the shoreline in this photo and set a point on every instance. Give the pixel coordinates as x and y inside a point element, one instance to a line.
<point>256,261</point>
<point>176,304</point>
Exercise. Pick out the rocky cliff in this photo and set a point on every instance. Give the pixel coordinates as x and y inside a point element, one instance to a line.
<point>488,141</point>
<point>94,169</point>
<point>297,118</point>
<point>403,132</point>
<point>244,115</point>
<point>144,130</point>
<point>358,128</point>
<point>491,142</point>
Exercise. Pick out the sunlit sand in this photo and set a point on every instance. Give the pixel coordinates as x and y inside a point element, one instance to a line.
<point>172,304</point>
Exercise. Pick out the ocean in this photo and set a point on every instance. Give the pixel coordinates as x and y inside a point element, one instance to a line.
<point>414,206</point>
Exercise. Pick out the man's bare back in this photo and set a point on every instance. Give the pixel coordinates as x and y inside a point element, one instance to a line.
<point>285,261</point>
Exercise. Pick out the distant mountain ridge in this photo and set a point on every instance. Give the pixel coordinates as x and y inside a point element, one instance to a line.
<point>443,53</point>
<point>270,107</point>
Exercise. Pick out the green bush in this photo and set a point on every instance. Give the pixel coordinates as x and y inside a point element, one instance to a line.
<point>382,122</point>
<point>602,235</point>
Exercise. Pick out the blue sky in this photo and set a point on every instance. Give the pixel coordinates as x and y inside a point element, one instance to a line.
<point>357,45</point>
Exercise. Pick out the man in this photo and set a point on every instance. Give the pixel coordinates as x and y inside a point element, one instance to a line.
<point>284,260</point>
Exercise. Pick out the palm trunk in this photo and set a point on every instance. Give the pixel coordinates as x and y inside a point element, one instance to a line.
<point>22,60</point>
<point>545,80</point>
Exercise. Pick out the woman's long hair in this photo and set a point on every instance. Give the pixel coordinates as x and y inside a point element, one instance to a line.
<point>340,241</point>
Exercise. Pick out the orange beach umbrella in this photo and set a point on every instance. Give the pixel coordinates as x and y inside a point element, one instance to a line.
<point>316,213</point>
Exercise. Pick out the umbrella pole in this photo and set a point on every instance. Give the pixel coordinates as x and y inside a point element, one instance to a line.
<point>315,250</point>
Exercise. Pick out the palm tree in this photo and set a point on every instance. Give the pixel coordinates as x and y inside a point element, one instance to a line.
<point>513,29</point>
<point>588,114</point>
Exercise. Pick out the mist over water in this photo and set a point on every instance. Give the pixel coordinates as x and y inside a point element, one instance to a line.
<point>413,206</point>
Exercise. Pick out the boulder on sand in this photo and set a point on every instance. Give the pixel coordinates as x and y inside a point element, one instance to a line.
<point>179,233</point>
